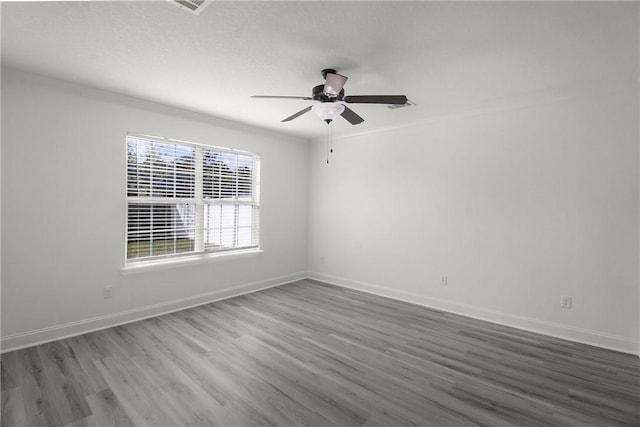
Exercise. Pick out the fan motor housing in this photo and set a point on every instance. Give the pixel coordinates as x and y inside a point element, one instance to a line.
<point>318,94</point>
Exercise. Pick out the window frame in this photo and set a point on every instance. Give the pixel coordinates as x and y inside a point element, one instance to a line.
<point>200,202</point>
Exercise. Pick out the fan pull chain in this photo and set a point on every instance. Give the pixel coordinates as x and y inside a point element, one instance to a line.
<point>328,136</point>
<point>331,137</point>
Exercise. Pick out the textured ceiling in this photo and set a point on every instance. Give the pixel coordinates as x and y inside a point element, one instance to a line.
<point>447,57</point>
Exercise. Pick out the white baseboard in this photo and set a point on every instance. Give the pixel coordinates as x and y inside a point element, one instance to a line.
<point>65,330</point>
<point>585,336</point>
<point>52,333</point>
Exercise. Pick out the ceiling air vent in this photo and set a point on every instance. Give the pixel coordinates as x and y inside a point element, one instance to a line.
<point>409,103</point>
<point>193,6</point>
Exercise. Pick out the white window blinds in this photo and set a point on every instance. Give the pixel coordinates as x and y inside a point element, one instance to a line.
<point>185,198</point>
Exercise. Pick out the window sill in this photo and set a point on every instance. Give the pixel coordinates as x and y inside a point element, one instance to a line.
<point>144,266</point>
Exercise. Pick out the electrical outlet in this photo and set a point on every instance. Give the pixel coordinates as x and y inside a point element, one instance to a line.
<point>565,302</point>
<point>443,281</point>
<point>107,292</point>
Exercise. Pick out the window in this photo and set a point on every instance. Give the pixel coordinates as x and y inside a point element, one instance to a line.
<point>185,199</point>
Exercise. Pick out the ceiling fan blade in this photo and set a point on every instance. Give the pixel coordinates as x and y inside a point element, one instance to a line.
<point>376,99</point>
<point>306,98</point>
<point>351,116</point>
<point>298,114</point>
<point>333,84</point>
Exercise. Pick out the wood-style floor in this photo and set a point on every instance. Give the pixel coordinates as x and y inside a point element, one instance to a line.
<point>307,354</point>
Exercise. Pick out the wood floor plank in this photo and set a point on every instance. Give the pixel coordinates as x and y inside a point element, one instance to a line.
<point>84,357</point>
<point>64,392</point>
<point>13,411</point>
<point>313,354</point>
<point>26,368</point>
<point>137,396</point>
<point>106,411</point>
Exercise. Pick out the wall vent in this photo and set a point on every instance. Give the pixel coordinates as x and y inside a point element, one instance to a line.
<point>193,6</point>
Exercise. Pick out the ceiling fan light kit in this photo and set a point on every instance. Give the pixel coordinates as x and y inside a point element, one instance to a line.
<point>331,100</point>
<point>327,111</point>
<point>333,83</point>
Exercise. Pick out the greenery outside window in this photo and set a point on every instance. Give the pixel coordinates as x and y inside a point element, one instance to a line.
<point>185,198</point>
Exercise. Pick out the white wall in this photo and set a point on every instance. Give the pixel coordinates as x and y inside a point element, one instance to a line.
<point>517,207</point>
<point>63,210</point>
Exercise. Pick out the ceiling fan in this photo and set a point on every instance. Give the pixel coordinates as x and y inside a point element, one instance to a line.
<point>330,100</point>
